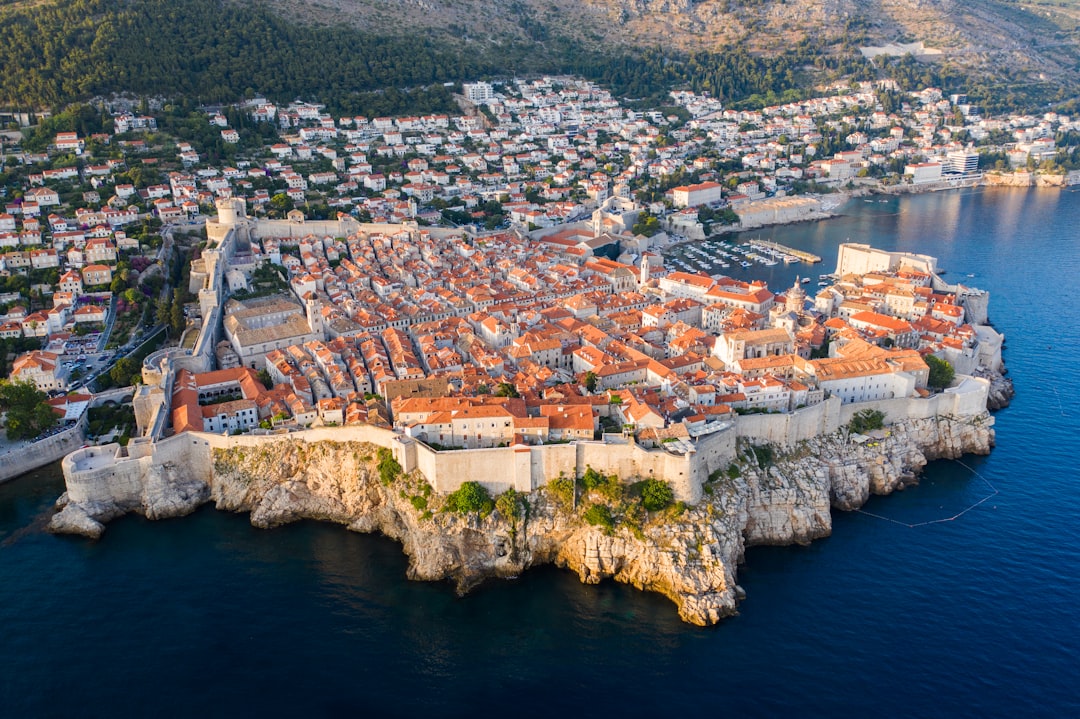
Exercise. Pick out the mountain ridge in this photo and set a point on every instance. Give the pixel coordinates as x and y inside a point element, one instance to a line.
<point>1033,36</point>
<point>58,51</point>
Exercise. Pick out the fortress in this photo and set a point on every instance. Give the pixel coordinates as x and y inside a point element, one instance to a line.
<point>733,499</point>
<point>121,475</point>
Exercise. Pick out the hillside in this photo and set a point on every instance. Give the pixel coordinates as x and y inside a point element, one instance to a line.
<point>1033,37</point>
<point>361,54</point>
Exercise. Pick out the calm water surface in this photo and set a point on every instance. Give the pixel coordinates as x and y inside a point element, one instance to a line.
<point>976,617</point>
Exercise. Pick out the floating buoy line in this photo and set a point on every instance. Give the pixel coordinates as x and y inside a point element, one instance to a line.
<point>993,493</point>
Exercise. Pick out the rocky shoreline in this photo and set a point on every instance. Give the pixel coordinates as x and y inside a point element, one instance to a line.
<point>690,554</point>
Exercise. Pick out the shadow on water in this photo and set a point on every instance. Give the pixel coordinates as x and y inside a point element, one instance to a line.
<point>27,503</point>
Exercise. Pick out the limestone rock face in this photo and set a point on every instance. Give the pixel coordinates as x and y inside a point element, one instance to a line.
<point>87,518</point>
<point>787,503</point>
<point>170,492</point>
<point>1001,392</point>
<point>74,519</point>
<point>688,554</point>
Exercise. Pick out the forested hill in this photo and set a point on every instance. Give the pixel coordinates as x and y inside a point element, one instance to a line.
<point>55,51</point>
<point>61,50</point>
<point>211,50</point>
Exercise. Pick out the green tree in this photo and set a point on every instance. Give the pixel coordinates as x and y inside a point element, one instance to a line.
<point>506,389</point>
<point>123,371</point>
<point>164,312</point>
<point>606,484</point>
<point>281,203</point>
<point>177,322</point>
<point>590,381</point>
<point>941,372</point>
<point>28,413</point>
<point>646,225</point>
<point>867,420</point>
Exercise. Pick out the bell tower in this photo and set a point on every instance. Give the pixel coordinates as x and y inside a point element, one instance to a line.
<point>796,299</point>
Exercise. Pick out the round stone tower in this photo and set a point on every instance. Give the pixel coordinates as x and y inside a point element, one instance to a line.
<point>231,210</point>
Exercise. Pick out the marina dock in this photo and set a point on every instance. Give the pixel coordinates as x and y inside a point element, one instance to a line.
<point>804,256</point>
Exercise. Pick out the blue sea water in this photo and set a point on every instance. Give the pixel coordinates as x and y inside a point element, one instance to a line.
<point>974,617</point>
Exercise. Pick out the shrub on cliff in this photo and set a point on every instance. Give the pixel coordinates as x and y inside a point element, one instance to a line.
<point>598,515</point>
<point>764,455</point>
<point>511,505</point>
<point>562,491</point>
<point>656,494</point>
<point>389,469</point>
<point>470,497</point>
<point>606,484</point>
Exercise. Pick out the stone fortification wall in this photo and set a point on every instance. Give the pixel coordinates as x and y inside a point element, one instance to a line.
<point>967,398</point>
<point>778,210</point>
<point>714,452</point>
<point>25,459</point>
<point>990,344</point>
<point>296,230</point>
<point>788,429</point>
<point>631,461</point>
<point>498,469</point>
<point>96,475</point>
<point>122,476</point>
<point>201,360</point>
<point>528,468</point>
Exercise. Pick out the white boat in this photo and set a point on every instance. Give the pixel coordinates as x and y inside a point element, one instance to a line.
<point>805,280</point>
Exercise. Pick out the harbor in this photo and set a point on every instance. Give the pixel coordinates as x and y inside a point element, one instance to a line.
<point>717,257</point>
<point>791,251</point>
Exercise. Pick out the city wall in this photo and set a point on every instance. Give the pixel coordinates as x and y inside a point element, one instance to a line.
<point>967,398</point>
<point>33,456</point>
<point>120,473</point>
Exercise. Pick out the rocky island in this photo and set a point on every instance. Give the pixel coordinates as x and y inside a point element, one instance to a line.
<point>813,405</point>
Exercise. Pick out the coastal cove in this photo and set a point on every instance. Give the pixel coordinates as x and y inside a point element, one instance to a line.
<point>968,616</point>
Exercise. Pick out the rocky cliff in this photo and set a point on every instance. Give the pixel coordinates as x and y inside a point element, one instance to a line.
<point>1023,178</point>
<point>769,495</point>
<point>1001,389</point>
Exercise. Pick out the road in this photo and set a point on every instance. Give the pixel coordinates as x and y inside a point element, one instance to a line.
<point>104,339</point>
<point>100,364</point>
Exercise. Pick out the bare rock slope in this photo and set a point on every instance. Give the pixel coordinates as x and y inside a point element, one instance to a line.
<point>1037,41</point>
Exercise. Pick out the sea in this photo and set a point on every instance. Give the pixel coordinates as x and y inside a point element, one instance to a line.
<point>896,614</point>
